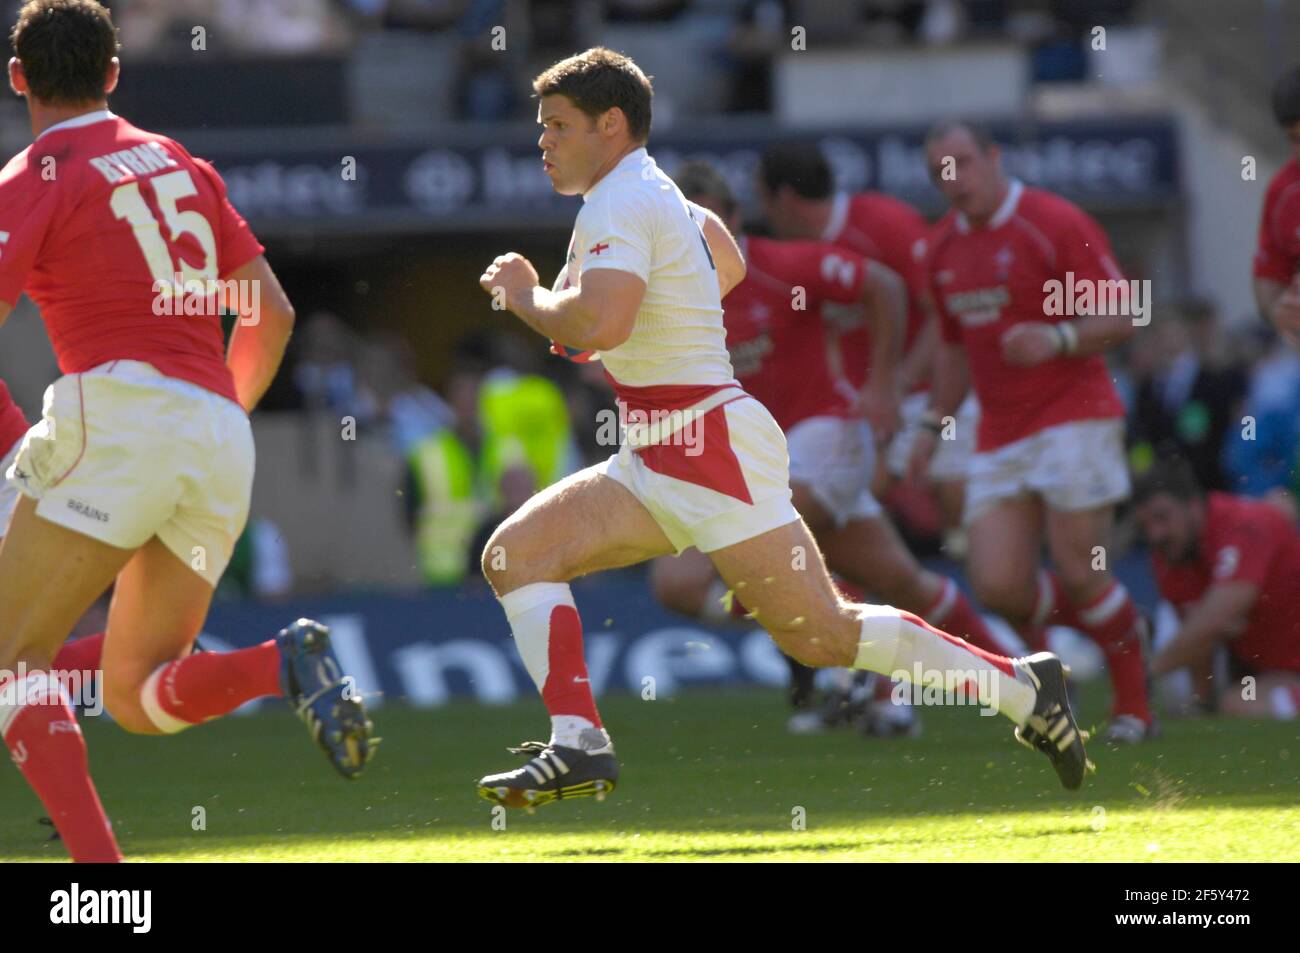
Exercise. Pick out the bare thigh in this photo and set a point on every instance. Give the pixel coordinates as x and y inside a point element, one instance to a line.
<point>158,609</point>
<point>782,580</point>
<point>951,495</point>
<point>682,582</point>
<point>49,576</point>
<point>1005,547</point>
<point>585,523</point>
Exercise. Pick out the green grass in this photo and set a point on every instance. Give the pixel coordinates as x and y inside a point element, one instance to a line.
<point>707,776</point>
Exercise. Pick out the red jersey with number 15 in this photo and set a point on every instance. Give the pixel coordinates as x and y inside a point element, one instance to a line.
<point>987,279</point>
<point>92,215</point>
<point>779,350</point>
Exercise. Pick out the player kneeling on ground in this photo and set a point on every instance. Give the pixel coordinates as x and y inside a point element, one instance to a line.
<point>1230,566</point>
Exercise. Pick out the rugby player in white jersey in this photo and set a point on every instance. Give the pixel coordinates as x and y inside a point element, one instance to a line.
<point>703,464</point>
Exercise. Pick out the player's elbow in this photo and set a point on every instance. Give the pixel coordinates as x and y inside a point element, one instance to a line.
<point>739,268</point>
<point>884,286</point>
<point>734,275</point>
<point>609,331</point>
<point>286,317</point>
<point>277,317</point>
<point>607,340</point>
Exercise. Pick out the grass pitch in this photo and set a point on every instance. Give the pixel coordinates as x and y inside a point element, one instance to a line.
<point>706,776</point>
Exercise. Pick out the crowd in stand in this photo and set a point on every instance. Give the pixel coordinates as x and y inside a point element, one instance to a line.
<point>729,45</point>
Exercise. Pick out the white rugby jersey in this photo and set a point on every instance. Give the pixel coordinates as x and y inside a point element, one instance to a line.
<point>635,219</point>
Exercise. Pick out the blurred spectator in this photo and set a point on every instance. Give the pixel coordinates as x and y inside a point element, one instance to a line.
<point>644,11</point>
<point>325,374</point>
<point>444,496</point>
<point>509,436</point>
<point>762,32</point>
<point>165,28</point>
<point>423,14</point>
<point>558,28</point>
<point>259,566</point>
<point>1186,397</point>
<point>1261,455</point>
<point>409,410</point>
<point>280,27</point>
<point>489,84</point>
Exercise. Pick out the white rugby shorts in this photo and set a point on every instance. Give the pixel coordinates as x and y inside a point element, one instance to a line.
<point>123,453</point>
<point>835,458</point>
<point>722,479</point>
<point>1073,466</point>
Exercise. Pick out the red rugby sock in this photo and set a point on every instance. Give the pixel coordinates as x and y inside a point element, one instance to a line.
<point>206,685</point>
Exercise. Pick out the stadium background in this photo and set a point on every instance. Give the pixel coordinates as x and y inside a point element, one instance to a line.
<point>384,151</point>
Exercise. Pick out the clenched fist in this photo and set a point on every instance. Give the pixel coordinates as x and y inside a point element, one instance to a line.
<point>513,274</point>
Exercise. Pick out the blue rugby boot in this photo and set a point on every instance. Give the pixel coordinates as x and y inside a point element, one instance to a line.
<point>314,686</point>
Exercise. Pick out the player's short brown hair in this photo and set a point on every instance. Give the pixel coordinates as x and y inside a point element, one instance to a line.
<point>698,178</point>
<point>65,47</point>
<point>980,133</point>
<point>1286,97</point>
<point>597,81</point>
<point>800,166</point>
<point>1171,474</point>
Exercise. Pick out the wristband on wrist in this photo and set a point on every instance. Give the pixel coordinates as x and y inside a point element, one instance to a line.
<point>931,421</point>
<point>1068,335</point>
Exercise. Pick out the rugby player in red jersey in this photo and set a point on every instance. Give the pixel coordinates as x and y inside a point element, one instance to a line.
<point>140,470</point>
<point>1277,257</point>
<point>1230,566</point>
<point>796,188</point>
<point>12,427</point>
<point>1050,448</point>
<point>83,655</point>
<point>779,347</point>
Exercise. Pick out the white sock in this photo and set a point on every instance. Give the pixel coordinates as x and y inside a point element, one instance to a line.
<point>902,650</point>
<point>574,731</point>
<point>528,609</point>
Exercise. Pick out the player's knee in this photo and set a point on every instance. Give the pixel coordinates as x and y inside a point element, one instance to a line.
<point>1081,582</point>
<point>501,559</point>
<point>1005,596</point>
<point>902,586</point>
<point>122,702</point>
<point>515,557</point>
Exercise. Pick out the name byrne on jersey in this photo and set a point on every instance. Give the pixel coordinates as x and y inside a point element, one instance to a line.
<point>138,160</point>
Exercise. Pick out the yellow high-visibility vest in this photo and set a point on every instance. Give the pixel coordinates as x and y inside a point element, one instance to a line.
<point>451,507</point>
<point>525,421</point>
